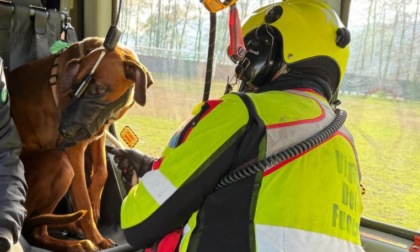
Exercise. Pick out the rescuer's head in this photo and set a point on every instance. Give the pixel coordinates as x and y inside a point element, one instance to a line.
<point>300,36</point>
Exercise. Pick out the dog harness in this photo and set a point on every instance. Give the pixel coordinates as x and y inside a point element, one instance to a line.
<point>54,70</point>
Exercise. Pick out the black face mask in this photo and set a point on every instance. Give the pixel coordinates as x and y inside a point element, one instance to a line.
<point>85,115</point>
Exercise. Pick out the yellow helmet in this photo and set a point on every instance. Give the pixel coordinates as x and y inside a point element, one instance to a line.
<point>307,35</point>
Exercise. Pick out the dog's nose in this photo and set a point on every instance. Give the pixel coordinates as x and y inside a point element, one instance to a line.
<point>73,131</point>
<point>66,131</point>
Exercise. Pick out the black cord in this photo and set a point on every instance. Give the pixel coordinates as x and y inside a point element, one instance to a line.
<point>277,158</point>
<point>210,56</point>
<point>118,13</point>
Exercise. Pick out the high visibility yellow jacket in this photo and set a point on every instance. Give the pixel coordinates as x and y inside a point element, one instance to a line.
<point>310,202</point>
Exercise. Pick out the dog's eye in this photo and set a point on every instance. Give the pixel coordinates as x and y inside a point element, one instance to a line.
<point>99,90</point>
<point>96,90</point>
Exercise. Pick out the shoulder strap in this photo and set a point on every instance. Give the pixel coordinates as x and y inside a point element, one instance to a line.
<point>249,147</point>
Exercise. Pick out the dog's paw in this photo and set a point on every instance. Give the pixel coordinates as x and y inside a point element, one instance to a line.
<point>107,243</point>
<point>83,246</point>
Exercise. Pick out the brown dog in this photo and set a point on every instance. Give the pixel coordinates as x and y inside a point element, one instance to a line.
<point>48,115</point>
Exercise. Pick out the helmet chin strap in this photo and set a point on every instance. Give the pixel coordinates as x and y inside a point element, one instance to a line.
<point>284,68</point>
<point>249,87</point>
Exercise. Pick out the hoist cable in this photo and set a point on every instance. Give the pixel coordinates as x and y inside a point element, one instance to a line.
<point>210,56</point>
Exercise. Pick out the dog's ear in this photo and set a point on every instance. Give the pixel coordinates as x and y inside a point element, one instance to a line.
<point>141,76</point>
<point>68,75</point>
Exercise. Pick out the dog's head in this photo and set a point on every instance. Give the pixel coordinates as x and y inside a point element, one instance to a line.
<point>118,81</point>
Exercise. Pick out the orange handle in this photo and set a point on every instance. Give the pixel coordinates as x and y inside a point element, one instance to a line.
<point>216,5</point>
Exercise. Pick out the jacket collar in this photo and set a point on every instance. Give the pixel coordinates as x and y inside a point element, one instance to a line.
<point>298,80</point>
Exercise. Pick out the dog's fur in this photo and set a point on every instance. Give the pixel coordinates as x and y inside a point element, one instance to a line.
<point>51,172</point>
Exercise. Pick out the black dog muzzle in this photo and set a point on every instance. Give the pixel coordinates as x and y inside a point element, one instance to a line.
<point>85,115</point>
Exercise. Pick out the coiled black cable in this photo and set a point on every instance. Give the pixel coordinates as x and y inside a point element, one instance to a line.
<point>277,158</point>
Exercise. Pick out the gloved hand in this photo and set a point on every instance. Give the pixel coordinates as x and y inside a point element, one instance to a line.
<point>129,160</point>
